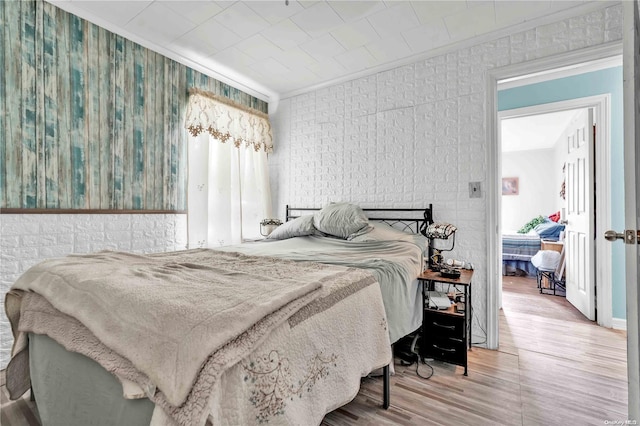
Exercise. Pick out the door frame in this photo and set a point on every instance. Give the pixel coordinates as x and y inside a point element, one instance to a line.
<point>631,84</point>
<point>492,159</point>
<point>601,105</point>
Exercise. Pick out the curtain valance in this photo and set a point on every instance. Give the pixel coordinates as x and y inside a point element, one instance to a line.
<point>224,119</point>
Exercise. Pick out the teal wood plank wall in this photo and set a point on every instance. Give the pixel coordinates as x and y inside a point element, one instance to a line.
<point>89,119</point>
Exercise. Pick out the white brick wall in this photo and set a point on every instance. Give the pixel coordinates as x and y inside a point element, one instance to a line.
<point>415,134</point>
<point>28,239</point>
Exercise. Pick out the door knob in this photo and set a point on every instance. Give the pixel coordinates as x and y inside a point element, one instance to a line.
<point>629,236</point>
<point>564,221</point>
<point>613,235</point>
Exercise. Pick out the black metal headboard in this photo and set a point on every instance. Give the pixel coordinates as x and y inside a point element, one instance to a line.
<point>403,219</point>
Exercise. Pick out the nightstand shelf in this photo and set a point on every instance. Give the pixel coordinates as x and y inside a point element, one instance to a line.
<point>446,333</point>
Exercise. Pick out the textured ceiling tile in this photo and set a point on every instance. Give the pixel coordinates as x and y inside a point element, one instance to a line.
<point>286,82</point>
<point>355,10</point>
<point>472,21</point>
<point>232,57</point>
<point>120,15</point>
<point>214,34</point>
<point>160,24</point>
<point>307,3</point>
<point>306,37</point>
<point>285,34</point>
<point>274,11</point>
<point>241,20</point>
<point>428,11</point>
<point>317,19</point>
<point>325,46</point>
<point>189,46</point>
<point>295,58</point>
<point>195,11</point>
<point>328,68</point>
<point>356,59</point>
<point>258,47</point>
<point>270,67</point>
<point>425,37</point>
<point>389,48</point>
<point>355,34</point>
<point>394,20</point>
<point>509,13</point>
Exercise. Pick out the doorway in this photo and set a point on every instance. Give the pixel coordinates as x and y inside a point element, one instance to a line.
<point>536,203</point>
<point>544,70</point>
<point>600,281</point>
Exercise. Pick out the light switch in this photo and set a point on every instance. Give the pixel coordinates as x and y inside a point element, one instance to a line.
<point>475,190</point>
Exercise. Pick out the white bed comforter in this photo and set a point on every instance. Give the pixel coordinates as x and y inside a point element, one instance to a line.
<point>204,312</point>
<point>394,264</point>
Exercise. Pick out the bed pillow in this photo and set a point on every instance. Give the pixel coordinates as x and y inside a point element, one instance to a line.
<point>555,217</point>
<point>383,232</point>
<point>549,230</point>
<point>531,224</point>
<point>298,227</point>
<point>341,220</point>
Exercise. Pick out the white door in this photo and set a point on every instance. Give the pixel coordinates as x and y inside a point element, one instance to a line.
<point>579,242</point>
<point>631,65</point>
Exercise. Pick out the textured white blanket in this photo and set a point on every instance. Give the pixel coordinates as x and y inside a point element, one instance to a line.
<point>169,313</point>
<point>316,358</point>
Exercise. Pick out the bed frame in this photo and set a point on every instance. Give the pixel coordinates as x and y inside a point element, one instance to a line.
<point>408,220</point>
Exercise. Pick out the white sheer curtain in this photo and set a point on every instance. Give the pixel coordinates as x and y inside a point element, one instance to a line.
<point>229,190</point>
<point>239,195</point>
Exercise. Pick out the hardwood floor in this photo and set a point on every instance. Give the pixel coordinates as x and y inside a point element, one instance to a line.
<point>553,367</point>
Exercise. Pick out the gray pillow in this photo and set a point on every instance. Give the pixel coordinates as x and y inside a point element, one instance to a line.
<point>298,227</point>
<point>341,220</point>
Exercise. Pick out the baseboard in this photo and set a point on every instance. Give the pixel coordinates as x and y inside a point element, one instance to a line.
<point>619,323</point>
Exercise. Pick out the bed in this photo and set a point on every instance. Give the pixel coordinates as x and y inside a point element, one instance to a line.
<point>518,247</point>
<point>307,361</point>
<point>393,252</point>
<point>517,251</point>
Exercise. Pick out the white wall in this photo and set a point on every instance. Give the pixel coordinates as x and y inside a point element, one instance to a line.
<point>30,238</point>
<point>539,189</point>
<point>415,134</point>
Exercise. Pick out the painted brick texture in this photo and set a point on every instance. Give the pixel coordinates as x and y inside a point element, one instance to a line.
<point>415,135</point>
<point>26,240</point>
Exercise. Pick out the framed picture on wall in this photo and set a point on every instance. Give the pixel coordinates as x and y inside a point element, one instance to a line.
<point>510,186</point>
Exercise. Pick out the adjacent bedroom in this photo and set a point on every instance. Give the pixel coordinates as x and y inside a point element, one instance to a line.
<point>533,190</point>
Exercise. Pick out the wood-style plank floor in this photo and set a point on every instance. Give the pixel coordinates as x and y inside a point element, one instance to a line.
<point>553,367</point>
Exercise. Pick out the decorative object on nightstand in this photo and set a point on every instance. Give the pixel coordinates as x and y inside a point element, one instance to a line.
<point>439,231</point>
<point>268,225</point>
<point>446,333</point>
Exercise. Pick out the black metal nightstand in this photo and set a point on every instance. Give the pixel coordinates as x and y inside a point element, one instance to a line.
<point>446,333</point>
